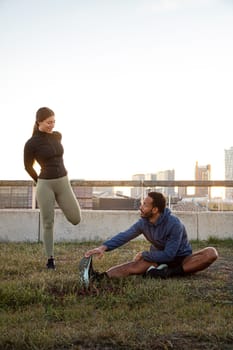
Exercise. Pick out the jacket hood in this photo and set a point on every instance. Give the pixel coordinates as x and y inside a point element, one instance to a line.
<point>163,216</point>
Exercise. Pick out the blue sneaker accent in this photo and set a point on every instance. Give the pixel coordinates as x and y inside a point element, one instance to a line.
<point>85,267</point>
<point>161,266</point>
<point>157,272</point>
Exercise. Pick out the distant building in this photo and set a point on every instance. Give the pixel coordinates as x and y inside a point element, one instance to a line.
<point>138,192</point>
<point>16,197</point>
<point>115,203</point>
<point>202,173</point>
<point>229,171</point>
<point>84,195</point>
<point>182,192</point>
<point>151,177</point>
<point>167,175</point>
<point>104,191</point>
<point>23,197</point>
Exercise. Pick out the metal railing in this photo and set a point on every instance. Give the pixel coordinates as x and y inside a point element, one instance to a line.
<point>131,183</point>
<point>28,193</point>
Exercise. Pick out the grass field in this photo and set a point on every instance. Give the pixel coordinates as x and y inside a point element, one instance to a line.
<point>42,309</point>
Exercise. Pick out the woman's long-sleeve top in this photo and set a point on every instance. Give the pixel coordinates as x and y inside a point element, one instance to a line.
<point>168,238</point>
<point>46,149</point>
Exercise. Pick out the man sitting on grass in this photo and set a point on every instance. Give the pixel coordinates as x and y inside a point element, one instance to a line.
<point>170,253</point>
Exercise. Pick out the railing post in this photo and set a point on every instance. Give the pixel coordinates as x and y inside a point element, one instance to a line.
<point>33,197</point>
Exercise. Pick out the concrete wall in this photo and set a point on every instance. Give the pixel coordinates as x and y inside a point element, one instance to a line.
<point>24,225</point>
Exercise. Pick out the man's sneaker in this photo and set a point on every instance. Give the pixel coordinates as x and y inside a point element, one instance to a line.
<point>157,272</point>
<point>51,264</point>
<point>86,271</point>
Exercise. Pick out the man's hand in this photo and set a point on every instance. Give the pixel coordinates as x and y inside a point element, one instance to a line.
<point>99,251</point>
<point>138,256</point>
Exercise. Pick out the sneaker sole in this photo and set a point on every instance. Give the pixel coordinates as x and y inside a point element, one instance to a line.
<point>84,267</point>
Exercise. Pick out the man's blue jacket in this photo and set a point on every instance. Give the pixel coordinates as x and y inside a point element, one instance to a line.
<point>168,238</point>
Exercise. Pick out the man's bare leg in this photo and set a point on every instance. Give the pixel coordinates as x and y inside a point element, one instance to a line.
<point>200,260</point>
<point>130,268</point>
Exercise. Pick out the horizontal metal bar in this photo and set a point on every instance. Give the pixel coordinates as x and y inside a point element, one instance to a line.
<point>132,183</point>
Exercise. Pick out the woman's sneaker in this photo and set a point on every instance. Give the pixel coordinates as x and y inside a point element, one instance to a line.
<point>51,264</point>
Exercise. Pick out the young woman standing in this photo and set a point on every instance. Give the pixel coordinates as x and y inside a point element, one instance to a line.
<point>52,183</point>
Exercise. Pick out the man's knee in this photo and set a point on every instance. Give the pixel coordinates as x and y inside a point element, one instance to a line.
<point>211,254</point>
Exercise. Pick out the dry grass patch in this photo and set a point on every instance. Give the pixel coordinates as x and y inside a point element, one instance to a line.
<point>42,309</point>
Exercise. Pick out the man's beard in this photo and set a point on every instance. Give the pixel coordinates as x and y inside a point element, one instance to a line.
<point>147,215</point>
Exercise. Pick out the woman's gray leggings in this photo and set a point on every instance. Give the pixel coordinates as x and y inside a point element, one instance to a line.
<point>49,191</point>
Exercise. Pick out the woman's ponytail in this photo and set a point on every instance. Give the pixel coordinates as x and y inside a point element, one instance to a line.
<point>35,128</point>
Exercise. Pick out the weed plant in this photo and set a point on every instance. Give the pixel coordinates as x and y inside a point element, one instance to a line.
<point>46,309</point>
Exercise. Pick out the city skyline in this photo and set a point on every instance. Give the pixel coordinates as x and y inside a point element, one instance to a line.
<point>136,86</point>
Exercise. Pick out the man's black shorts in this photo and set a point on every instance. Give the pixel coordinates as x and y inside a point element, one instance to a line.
<point>177,261</point>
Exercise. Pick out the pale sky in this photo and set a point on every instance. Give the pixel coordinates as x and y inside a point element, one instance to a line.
<point>137,86</point>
